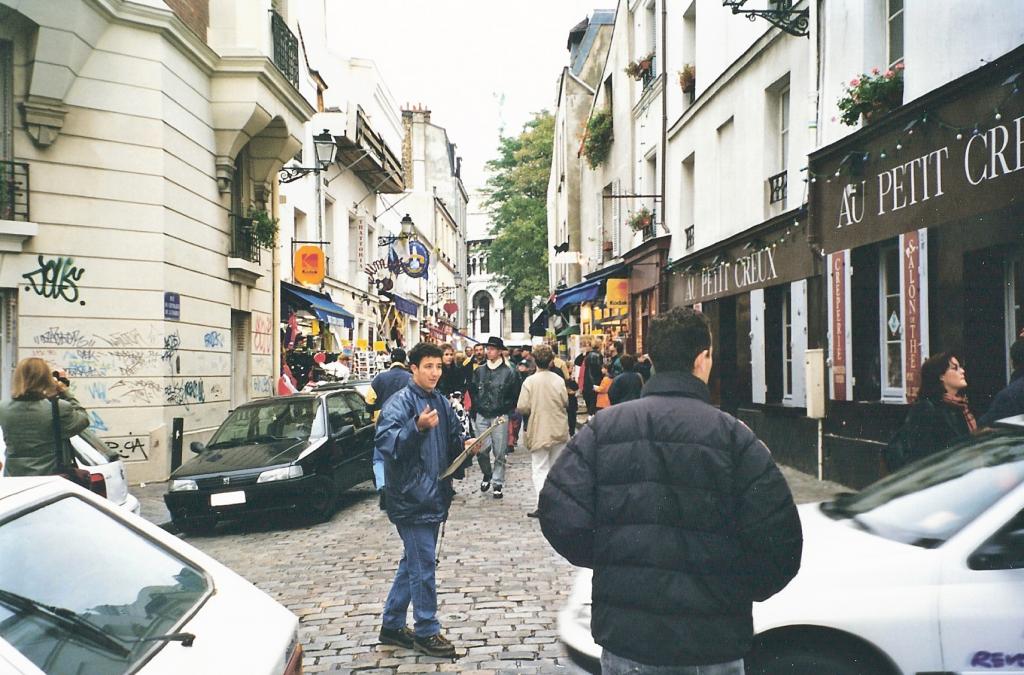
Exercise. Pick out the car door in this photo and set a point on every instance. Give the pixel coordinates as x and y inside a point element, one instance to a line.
<point>981,607</point>
<point>340,414</point>
<point>365,431</point>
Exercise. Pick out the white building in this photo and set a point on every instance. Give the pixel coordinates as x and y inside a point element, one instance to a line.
<point>131,134</point>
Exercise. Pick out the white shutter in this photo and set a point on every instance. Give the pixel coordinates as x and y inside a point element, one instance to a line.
<point>845,339</point>
<point>602,234</point>
<point>757,375</point>
<point>616,217</point>
<point>798,321</point>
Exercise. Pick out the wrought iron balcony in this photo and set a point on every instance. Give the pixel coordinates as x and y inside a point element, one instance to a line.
<point>286,48</point>
<point>651,231</point>
<point>777,187</point>
<point>13,191</point>
<point>651,74</point>
<point>243,239</point>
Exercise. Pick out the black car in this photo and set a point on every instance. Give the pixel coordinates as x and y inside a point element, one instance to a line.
<point>284,453</point>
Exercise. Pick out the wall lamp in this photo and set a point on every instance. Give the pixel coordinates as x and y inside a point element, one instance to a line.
<point>408,232</point>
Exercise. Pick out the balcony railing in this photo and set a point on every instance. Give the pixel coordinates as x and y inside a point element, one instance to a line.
<point>777,187</point>
<point>689,238</point>
<point>651,231</point>
<point>651,74</point>
<point>243,239</point>
<point>286,48</point>
<point>13,191</point>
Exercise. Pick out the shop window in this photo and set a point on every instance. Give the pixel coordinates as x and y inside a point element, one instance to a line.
<point>891,322</point>
<point>894,32</point>
<point>876,322</point>
<point>1014,304</point>
<point>776,301</point>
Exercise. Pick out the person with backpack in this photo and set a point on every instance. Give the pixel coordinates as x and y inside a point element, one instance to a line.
<point>628,384</point>
<point>940,417</point>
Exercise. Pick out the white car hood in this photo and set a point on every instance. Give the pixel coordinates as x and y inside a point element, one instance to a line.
<point>842,569</point>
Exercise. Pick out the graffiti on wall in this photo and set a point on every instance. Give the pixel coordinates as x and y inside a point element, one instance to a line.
<point>55,278</point>
<point>129,448</point>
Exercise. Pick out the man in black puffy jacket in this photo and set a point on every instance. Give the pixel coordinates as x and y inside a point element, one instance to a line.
<point>680,511</point>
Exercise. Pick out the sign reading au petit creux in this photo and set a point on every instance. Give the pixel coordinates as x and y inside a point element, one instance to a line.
<point>923,173</point>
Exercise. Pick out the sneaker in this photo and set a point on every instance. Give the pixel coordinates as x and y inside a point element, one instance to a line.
<point>434,645</point>
<point>400,637</point>
<point>485,485</point>
<point>497,492</point>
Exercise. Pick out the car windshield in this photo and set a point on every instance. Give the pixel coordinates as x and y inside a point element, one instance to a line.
<point>929,501</point>
<point>80,592</point>
<point>274,420</point>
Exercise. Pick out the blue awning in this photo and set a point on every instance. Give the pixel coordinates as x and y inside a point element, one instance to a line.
<point>574,295</point>
<point>404,306</point>
<point>320,304</point>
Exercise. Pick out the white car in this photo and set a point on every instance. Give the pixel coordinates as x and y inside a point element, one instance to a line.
<point>86,587</point>
<point>92,455</point>
<point>921,572</point>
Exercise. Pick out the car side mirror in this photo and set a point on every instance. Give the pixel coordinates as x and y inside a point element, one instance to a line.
<point>197,447</point>
<point>344,432</point>
<point>1004,551</point>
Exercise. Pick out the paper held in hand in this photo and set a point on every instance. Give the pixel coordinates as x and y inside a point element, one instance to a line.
<point>480,438</point>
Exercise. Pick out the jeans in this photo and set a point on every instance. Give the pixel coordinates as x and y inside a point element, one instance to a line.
<point>414,582</point>
<point>542,460</point>
<point>617,665</point>
<point>498,444</point>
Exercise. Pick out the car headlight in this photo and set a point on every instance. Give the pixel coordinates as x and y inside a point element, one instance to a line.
<point>182,485</point>
<point>293,471</point>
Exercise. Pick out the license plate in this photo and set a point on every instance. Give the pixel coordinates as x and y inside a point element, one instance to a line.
<point>227,498</point>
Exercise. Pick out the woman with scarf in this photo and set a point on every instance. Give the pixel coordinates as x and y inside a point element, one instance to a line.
<point>941,415</point>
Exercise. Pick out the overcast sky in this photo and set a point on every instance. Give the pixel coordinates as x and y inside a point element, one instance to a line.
<point>462,58</point>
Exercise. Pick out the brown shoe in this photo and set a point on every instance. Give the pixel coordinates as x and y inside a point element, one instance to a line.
<point>434,645</point>
<point>400,637</point>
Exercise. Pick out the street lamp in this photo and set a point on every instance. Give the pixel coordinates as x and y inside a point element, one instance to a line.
<point>324,148</point>
<point>408,232</point>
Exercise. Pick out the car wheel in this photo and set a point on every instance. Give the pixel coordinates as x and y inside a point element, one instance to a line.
<point>322,500</point>
<point>807,660</point>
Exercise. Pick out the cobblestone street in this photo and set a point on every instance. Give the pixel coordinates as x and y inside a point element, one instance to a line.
<point>500,585</point>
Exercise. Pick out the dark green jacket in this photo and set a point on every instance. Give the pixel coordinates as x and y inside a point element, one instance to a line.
<point>28,433</point>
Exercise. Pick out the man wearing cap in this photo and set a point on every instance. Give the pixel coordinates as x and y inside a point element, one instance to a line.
<point>494,390</point>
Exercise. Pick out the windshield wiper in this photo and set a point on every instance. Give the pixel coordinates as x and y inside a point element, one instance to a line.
<point>67,619</point>
<point>186,639</point>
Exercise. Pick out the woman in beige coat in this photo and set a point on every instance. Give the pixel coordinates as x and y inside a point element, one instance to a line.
<point>543,398</point>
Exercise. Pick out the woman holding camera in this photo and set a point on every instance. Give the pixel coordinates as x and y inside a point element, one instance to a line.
<point>27,419</point>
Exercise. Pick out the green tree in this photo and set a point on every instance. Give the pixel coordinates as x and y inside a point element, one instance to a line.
<point>517,202</point>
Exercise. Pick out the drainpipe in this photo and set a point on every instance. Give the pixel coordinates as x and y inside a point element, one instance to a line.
<point>275,290</point>
<point>662,280</point>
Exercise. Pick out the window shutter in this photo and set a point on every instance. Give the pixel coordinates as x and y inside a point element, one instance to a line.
<point>798,321</point>
<point>759,387</point>
<point>616,218</point>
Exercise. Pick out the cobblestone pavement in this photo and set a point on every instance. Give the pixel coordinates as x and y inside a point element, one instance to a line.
<point>500,585</point>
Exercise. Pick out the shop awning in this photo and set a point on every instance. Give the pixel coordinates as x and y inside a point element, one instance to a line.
<point>569,330</point>
<point>319,304</point>
<point>582,292</point>
<point>404,306</point>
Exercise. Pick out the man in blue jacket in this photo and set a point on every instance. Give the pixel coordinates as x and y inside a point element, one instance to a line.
<point>418,435</point>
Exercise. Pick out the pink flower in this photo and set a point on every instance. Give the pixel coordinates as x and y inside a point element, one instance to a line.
<point>898,66</point>
<point>855,82</point>
<point>889,74</point>
<point>874,71</point>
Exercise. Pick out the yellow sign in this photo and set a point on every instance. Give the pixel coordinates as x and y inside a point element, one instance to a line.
<point>616,297</point>
<point>361,343</point>
<point>309,265</point>
<point>379,346</point>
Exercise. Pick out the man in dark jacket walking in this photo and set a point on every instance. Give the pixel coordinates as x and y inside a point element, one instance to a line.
<point>383,386</point>
<point>681,513</point>
<point>592,363</point>
<point>1010,401</point>
<point>418,435</point>
<point>494,389</point>
<point>628,384</point>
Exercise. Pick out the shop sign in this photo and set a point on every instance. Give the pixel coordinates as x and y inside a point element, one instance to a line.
<point>915,331</point>
<point>838,324</point>
<point>616,298</point>
<point>418,261</point>
<point>963,158</point>
<point>309,265</point>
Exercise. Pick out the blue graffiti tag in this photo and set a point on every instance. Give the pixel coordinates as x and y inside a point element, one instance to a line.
<point>213,339</point>
<point>96,422</point>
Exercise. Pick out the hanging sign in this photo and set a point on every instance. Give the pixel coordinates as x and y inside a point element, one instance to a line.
<point>309,265</point>
<point>419,259</point>
<point>616,296</point>
<point>451,308</point>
